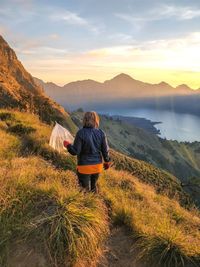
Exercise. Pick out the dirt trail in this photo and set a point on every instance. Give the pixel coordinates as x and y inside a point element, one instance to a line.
<point>25,255</point>
<point>118,250</point>
<point>117,253</point>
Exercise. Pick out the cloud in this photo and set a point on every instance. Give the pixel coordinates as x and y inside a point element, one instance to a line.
<point>181,53</point>
<point>42,51</point>
<point>130,18</point>
<point>71,18</point>
<point>135,21</point>
<point>123,50</point>
<point>50,64</point>
<point>40,47</point>
<point>161,12</point>
<point>181,13</point>
<point>74,19</point>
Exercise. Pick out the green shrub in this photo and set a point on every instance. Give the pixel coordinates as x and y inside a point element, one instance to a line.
<point>5,116</point>
<point>32,146</point>
<point>21,129</point>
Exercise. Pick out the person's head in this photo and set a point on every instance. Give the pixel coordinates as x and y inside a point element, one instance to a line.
<point>91,119</point>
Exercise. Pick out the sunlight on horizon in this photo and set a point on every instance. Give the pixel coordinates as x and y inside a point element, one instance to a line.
<point>153,76</point>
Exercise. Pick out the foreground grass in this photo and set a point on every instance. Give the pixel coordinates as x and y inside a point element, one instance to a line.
<point>165,234</point>
<point>43,207</point>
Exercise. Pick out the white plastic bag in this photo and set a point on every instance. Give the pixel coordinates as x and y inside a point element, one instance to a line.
<point>58,135</point>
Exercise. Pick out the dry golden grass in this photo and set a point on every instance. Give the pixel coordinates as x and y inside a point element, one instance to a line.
<point>9,145</point>
<point>153,218</point>
<point>42,205</point>
<point>45,206</point>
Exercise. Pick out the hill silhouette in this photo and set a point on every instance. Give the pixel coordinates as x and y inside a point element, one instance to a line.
<point>19,90</point>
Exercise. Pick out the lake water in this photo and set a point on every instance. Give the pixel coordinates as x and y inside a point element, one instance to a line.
<point>174,126</point>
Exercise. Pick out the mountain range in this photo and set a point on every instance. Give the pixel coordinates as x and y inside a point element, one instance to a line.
<point>122,89</point>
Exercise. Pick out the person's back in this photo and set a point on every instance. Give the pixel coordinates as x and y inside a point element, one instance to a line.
<point>90,146</point>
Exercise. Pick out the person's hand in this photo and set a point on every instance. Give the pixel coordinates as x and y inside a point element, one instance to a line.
<point>106,165</point>
<point>66,143</point>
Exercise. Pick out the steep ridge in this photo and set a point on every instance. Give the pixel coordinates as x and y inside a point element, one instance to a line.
<point>18,90</point>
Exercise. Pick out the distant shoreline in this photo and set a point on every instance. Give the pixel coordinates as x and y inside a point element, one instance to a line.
<point>143,123</point>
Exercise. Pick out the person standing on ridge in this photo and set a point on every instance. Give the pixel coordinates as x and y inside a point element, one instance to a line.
<point>91,148</point>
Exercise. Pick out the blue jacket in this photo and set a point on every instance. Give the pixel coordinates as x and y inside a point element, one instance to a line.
<point>90,145</point>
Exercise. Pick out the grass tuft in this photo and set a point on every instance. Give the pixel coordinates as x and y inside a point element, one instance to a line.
<point>6,116</point>
<point>68,226</point>
<point>161,252</point>
<point>21,129</point>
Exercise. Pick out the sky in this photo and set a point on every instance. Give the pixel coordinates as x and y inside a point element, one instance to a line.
<point>67,40</point>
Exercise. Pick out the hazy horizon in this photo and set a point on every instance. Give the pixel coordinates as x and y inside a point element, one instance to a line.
<point>102,81</point>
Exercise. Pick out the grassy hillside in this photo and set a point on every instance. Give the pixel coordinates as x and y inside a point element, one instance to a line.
<point>45,219</point>
<point>34,137</point>
<point>180,159</point>
<point>163,182</point>
<point>164,233</point>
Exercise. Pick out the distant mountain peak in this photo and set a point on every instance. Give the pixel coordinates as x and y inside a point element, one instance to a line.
<point>183,86</point>
<point>123,76</point>
<point>163,84</point>
<point>51,83</point>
